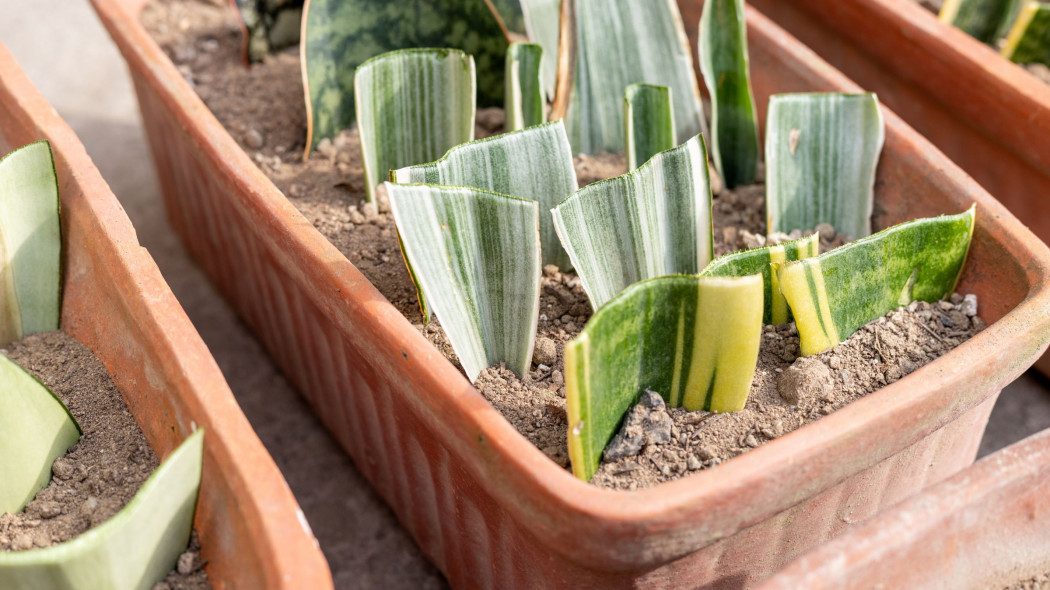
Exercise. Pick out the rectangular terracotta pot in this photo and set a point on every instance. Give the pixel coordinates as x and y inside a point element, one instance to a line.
<point>253,534</point>
<point>988,115</point>
<point>488,508</point>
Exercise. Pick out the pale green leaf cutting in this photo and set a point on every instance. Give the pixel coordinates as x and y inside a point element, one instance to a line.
<point>543,26</point>
<point>651,222</point>
<point>839,291</point>
<point>1029,40</point>
<point>131,551</point>
<point>618,43</point>
<point>821,154</point>
<point>649,117</point>
<point>985,20</point>
<point>270,25</point>
<point>412,106</point>
<point>30,243</point>
<point>761,261</point>
<point>725,66</point>
<point>523,103</point>
<point>476,257</point>
<point>534,164</point>
<point>35,429</point>
<point>694,340</point>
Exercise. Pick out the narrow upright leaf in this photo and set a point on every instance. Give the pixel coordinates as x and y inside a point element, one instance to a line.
<point>1029,40</point>
<point>985,20</point>
<point>412,106</point>
<point>524,103</point>
<point>269,25</point>
<point>761,261</point>
<point>821,154</point>
<point>543,26</point>
<point>725,65</point>
<point>476,256</point>
<point>651,222</point>
<point>693,340</point>
<point>839,291</point>
<point>649,117</point>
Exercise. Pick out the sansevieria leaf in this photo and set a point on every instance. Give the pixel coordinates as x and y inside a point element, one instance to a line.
<point>1029,39</point>
<point>761,261</point>
<point>131,551</point>
<point>725,66</point>
<point>649,117</point>
<point>651,222</point>
<point>35,429</point>
<point>476,257</point>
<point>985,20</point>
<point>270,25</point>
<point>534,164</point>
<point>693,340</point>
<point>821,154</point>
<point>613,44</point>
<point>543,26</point>
<point>412,106</point>
<point>30,243</point>
<point>524,104</point>
<point>839,291</point>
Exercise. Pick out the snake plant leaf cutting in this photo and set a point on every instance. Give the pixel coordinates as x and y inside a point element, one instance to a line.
<point>341,35</point>
<point>413,105</point>
<point>694,340</point>
<point>1029,39</point>
<point>476,257</point>
<point>724,64</point>
<point>985,20</point>
<point>524,104</point>
<point>649,118</point>
<point>534,163</point>
<point>821,154</point>
<point>270,25</point>
<point>131,551</point>
<point>30,243</point>
<point>834,294</point>
<point>543,26</point>
<point>650,222</point>
<point>761,261</point>
<point>607,45</point>
<point>35,429</point>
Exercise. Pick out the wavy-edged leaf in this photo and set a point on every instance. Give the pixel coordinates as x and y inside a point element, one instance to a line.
<point>760,261</point>
<point>608,45</point>
<point>694,340</point>
<point>650,222</point>
<point>341,35</point>
<point>534,163</point>
<point>985,20</point>
<point>725,66</point>
<point>476,257</point>
<point>649,117</point>
<point>543,26</point>
<point>35,429</point>
<point>523,103</point>
<point>269,25</point>
<point>839,291</point>
<point>30,243</point>
<point>821,154</point>
<point>1029,39</point>
<point>131,551</point>
<point>413,105</point>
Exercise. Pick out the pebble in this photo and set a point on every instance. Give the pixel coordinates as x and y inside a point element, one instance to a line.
<point>62,468</point>
<point>186,564</point>
<point>356,217</point>
<point>545,352</point>
<point>693,463</point>
<point>370,211</point>
<point>254,139</point>
<point>806,378</point>
<point>969,305</point>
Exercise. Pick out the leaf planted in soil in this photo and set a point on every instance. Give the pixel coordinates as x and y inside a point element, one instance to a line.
<point>694,340</point>
<point>834,294</point>
<point>269,25</point>
<point>650,222</point>
<point>1029,39</point>
<point>985,20</point>
<point>821,154</point>
<point>649,118</point>
<point>475,256</point>
<point>524,103</point>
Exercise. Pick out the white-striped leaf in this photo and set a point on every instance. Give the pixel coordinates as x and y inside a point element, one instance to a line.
<point>543,26</point>
<point>1029,39</point>
<point>651,222</point>
<point>985,20</point>
<point>649,117</point>
<point>821,154</point>
<point>524,103</point>
<point>476,257</point>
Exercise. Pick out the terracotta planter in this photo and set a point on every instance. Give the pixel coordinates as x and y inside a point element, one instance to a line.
<point>487,507</point>
<point>988,115</point>
<point>115,301</point>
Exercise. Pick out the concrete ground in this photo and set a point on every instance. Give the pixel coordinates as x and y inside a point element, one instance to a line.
<point>71,59</point>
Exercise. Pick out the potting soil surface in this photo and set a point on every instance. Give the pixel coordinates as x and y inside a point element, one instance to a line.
<point>1039,582</point>
<point>102,472</point>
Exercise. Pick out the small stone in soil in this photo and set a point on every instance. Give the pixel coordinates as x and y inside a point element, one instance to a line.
<point>806,378</point>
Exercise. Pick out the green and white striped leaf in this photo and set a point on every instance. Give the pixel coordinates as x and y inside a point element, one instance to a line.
<point>618,43</point>
<point>839,291</point>
<point>131,551</point>
<point>412,106</point>
<point>985,20</point>
<point>694,340</point>
<point>543,26</point>
<point>30,243</point>
<point>651,222</point>
<point>1029,40</point>
<point>761,261</point>
<point>649,117</point>
<point>725,66</point>
<point>476,257</point>
<point>35,429</point>
<point>524,103</point>
<point>341,35</point>
<point>269,25</point>
<point>821,154</point>
<point>534,164</point>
